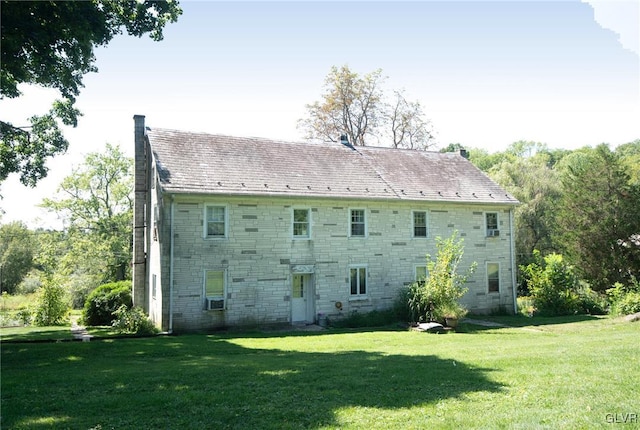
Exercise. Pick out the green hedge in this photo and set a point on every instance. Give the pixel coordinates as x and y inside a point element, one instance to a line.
<point>104,301</point>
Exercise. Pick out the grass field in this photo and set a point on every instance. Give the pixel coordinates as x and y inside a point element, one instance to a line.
<point>568,373</point>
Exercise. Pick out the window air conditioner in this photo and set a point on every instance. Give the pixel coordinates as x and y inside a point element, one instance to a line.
<point>215,304</point>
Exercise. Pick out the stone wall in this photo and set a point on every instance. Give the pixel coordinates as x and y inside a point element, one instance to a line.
<point>259,255</point>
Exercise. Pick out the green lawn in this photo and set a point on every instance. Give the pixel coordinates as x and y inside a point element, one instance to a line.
<point>556,374</point>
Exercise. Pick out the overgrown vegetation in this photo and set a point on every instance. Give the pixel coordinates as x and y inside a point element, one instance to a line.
<point>555,289</point>
<point>625,300</point>
<point>52,307</point>
<point>437,297</point>
<point>132,320</point>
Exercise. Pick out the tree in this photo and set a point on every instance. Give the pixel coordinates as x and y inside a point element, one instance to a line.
<point>408,127</point>
<point>51,44</point>
<point>96,204</point>
<point>439,293</point>
<point>598,217</point>
<point>355,106</point>
<point>16,255</point>
<point>530,178</point>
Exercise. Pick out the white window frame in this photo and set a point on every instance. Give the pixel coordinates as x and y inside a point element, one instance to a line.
<point>358,268</point>
<point>366,227</point>
<point>486,222</point>
<point>487,276</point>
<point>293,223</point>
<point>413,224</point>
<point>223,297</point>
<point>415,271</point>
<point>205,223</point>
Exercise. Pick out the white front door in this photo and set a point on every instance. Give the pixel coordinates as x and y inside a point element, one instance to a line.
<point>301,301</point>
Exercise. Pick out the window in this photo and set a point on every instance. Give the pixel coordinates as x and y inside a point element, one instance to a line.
<point>358,223</point>
<point>419,224</point>
<point>301,224</point>
<point>493,277</point>
<point>358,280</point>
<point>214,289</point>
<point>216,221</point>
<point>421,273</point>
<point>491,220</point>
<point>153,286</point>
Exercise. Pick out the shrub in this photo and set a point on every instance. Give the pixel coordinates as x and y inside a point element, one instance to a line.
<point>553,285</point>
<point>133,321</point>
<point>102,303</point>
<point>525,306</point>
<point>591,302</point>
<point>51,305</point>
<point>625,300</point>
<point>437,296</point>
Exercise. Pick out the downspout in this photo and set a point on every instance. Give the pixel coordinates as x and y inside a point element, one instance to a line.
<point>171,246</point>
<point>513,262</point>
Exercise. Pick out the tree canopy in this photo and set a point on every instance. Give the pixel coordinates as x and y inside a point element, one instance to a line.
<point>50,44</point>
<point>356,106</point>
<point>96,204</point>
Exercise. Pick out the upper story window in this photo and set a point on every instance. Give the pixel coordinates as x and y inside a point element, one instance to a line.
<point>301,223</point>
<point>358,280</point>
<point>491,222</point>
<point>419,224</point>
<point>215,221</point>
<point>358,224</point>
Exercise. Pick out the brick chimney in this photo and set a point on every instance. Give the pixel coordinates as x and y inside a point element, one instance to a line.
<point>140,205</point>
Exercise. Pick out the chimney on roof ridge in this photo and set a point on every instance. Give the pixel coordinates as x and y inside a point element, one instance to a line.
<point>344,139</point>
<point>464,153</point>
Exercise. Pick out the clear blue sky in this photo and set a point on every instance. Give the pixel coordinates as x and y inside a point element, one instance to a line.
<point>486,73</point>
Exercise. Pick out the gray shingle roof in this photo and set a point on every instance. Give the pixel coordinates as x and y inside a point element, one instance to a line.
<point>199,163</point>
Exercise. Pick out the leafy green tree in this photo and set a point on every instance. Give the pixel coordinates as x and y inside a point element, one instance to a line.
<point>50,44</point>
<point>598,217</point>
<point>96,205</point>
<point>356,106</point>
<point>532,180</point>
<point>440,292</point>
<point>51,305</point>
<point>16,255</point>
<point>553,285</point>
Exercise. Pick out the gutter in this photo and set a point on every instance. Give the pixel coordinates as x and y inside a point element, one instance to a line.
<point>171,246</point>
<point>513,261</point>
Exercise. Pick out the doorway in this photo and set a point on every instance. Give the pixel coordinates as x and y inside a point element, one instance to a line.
<point>302,304</point>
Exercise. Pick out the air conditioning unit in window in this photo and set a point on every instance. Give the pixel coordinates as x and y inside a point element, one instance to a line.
<point>493,233</point>
<point>215,304</point>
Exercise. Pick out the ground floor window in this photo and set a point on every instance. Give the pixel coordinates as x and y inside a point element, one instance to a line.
<point>214,289</point>
<point>493,277</point>
<point>358,280</point>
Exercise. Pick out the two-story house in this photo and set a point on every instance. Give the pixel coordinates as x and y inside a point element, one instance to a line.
<point>231,231</point>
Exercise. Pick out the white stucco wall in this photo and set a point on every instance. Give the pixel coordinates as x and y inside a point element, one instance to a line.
<point>260,252</point>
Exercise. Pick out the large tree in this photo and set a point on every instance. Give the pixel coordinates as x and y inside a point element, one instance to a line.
<point>95,204</point>
<point>51,44</point>
<point>16,255</point>
<point>356,106</point>
<point>598,217</point>
<point>527,173</point>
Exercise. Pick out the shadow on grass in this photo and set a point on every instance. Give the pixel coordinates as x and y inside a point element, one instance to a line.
<point>471,324</point>
<point>210,382</point>
<point>35,334</point>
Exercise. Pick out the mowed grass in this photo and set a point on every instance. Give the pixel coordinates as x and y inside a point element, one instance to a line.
<point>559,374</point>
